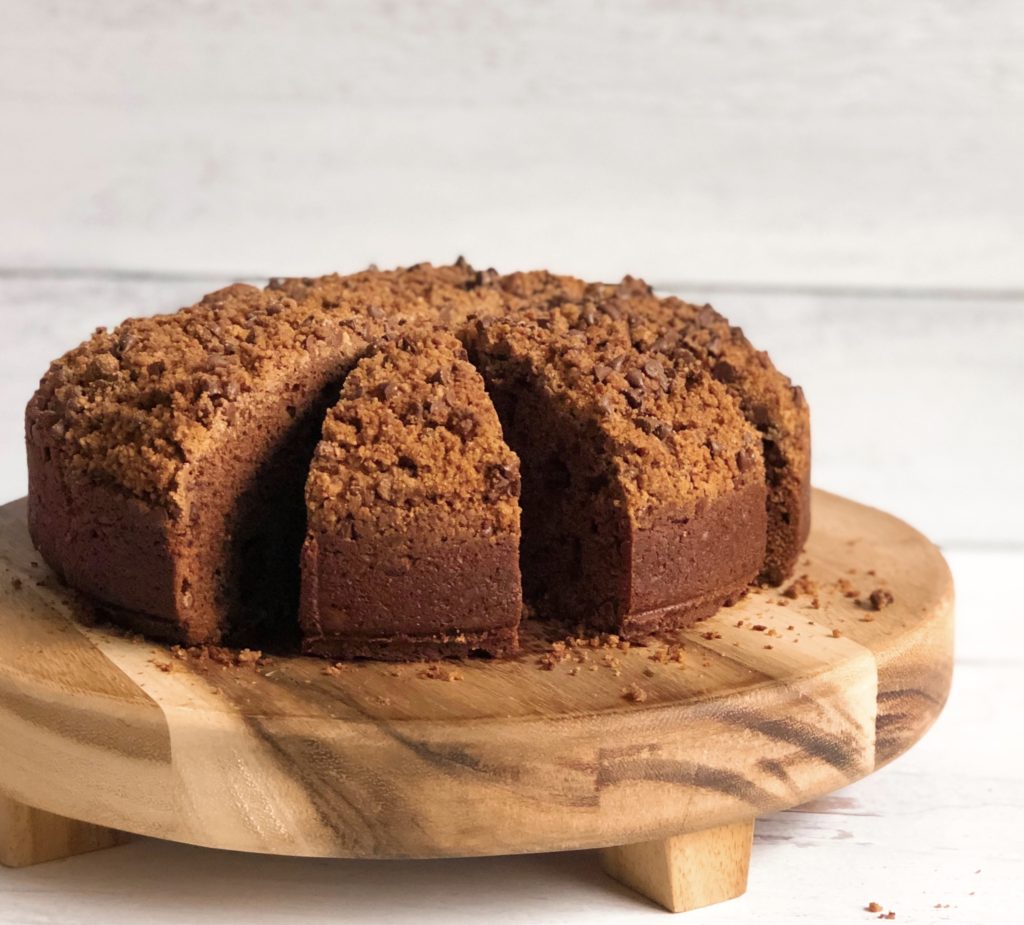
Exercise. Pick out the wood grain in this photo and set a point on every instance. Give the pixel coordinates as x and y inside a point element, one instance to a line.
<point>378,761</point>
<point>687,871</point>
<point>31,836</point>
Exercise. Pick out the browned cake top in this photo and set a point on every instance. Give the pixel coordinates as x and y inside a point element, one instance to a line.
<point>133,406</point>
<point>673,434</point>
<point>450,294</point>
<point>667,325</point>
<point>769,399</point>
<point>414,443</point>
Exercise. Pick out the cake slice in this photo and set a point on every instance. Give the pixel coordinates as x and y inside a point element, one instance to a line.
<point>643,484</point>
<point>767,398</point>
<point>412,544</point>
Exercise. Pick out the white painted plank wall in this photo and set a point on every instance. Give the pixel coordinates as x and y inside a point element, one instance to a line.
<point>786,141</point>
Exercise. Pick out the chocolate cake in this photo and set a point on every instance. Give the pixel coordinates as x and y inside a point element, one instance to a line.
<point>412,545</point>
<point>643,483</point>
<point>168,458</point>
<point>186,469</point>
<point>768,400</point>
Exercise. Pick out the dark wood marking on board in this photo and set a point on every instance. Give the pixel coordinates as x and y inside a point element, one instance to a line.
<point>302,760</point>
<point>702,776</point>
<point>776,769</point>
<point>840,752</point>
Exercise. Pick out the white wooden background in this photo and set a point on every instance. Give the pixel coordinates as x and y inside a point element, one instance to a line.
<point>845,180</point>
<point>859,141</point>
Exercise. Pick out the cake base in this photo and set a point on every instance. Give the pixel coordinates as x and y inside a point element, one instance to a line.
<point>400,648</point>
<point>775,701</point>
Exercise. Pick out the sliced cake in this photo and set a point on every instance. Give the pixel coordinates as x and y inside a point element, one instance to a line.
<point>168,458</point>
<point>412,546</point>
<point>768,399</point>
<point>643,484</point>
<point>665,462</point>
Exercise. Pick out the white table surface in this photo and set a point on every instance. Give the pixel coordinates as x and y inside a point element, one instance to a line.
<point>912,398</point>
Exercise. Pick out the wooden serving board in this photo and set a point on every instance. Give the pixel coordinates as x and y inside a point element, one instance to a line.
<point>663,762</point>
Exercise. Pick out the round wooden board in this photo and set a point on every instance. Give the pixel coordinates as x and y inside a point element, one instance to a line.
<point>381,761</point>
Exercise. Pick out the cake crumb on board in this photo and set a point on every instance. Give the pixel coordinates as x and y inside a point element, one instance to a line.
<point>846,588</point>
<point>802,586</point>
<point>635,693</point>
<point>203,656</point>
<point>436,672</point>
<point>880,598</point>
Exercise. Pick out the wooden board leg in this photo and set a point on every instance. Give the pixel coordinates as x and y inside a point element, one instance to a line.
<point>686,871</point>
<point>32,836</point>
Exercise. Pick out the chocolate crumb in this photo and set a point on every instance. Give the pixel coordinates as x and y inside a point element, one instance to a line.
<point>16,584</point>
<point>880,598</point>
<point>635,693</point>
<point>437,672</point>
<point>847,589</point>
<point>801,586</point>
<point>202,656</point>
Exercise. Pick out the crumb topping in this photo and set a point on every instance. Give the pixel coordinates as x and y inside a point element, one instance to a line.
<point>414,432</point>
<point>134,406</point>
<point>670,433</point>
